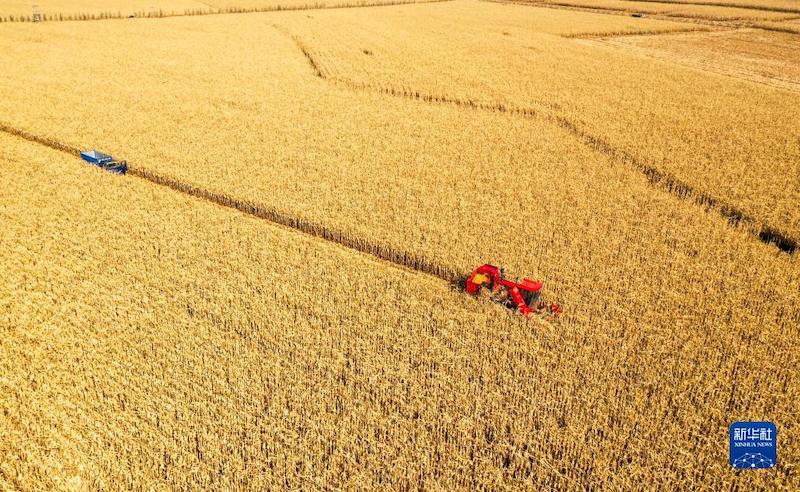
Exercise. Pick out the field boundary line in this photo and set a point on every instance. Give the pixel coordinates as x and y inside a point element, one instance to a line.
<point>730,22</point>
<point>48,142</point>
<point>322,73</point>
<point>704,3</point>
<point>80,17</point>
<point>383,252</point>
<point>784,30</point>
<point>659,179</point>
<point>658,32</point>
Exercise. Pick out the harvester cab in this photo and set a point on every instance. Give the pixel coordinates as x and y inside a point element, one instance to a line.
<point>525,296</point>
<point>104,161</point>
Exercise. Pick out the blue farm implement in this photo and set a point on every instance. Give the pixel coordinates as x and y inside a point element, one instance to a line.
<point>104,161</point>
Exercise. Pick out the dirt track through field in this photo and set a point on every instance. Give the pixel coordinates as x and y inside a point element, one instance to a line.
<point>659,179</point>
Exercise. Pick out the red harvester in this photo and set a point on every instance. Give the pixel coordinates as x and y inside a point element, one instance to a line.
<point>525,296</point>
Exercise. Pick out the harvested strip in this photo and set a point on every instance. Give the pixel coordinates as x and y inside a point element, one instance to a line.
<point>400,258</point>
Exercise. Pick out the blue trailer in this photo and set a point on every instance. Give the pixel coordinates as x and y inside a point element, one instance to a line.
<point>104,161</point>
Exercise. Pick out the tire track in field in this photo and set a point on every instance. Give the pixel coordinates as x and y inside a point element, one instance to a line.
<point>390,254</point>
<point>659,179</point>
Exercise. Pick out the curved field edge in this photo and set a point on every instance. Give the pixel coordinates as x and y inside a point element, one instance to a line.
<point>658,178</point>
<point>698,166</point>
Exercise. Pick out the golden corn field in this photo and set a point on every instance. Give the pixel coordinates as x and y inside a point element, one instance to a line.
<point>83,10</point>
<point>699,10</point>
<point>271,297</point>
<point>727,52</point>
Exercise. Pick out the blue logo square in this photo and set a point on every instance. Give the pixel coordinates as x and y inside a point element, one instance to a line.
<point>753,445</point>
